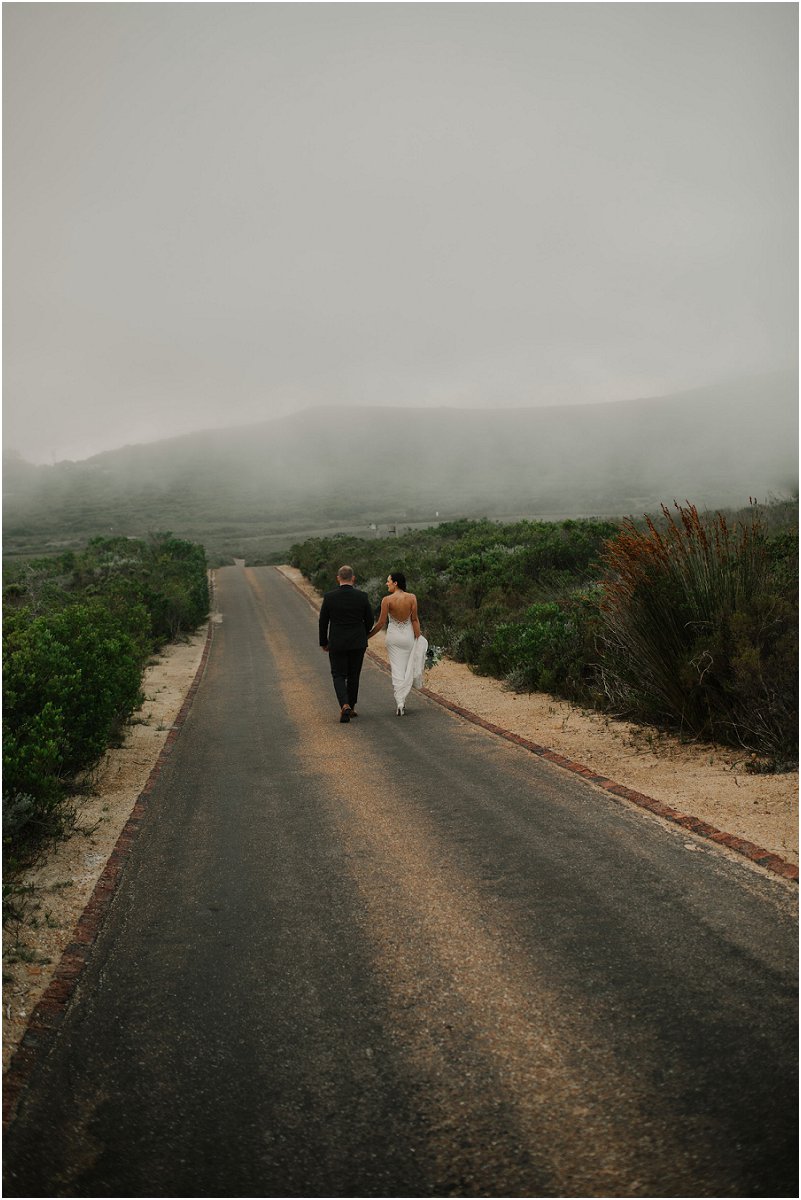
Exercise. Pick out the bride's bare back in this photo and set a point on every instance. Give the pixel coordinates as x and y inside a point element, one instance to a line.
<point>401,605</point>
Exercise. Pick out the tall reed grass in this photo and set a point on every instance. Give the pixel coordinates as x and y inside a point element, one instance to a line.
<point>695,631</point>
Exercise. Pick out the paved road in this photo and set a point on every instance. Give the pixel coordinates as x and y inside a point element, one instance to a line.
<point>404,958</point>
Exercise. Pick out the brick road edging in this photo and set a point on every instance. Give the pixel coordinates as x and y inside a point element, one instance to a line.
<point>765,858</point>
<point>48,1013</point>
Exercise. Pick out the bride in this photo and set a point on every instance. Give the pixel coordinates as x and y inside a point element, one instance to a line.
<point>405,644</point>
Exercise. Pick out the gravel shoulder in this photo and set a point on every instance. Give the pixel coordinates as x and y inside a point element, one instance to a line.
<point>57,890</point>
<point>706,781</point>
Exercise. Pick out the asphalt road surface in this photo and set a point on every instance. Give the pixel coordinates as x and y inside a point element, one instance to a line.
<point>402,957</point>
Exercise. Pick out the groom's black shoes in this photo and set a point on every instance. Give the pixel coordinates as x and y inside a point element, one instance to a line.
<point>345,714</point>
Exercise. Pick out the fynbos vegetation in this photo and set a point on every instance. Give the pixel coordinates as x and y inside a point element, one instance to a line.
<point>699,628</point>
<point>78,630</point>
<point>513,600</point>
<point>685,622</point>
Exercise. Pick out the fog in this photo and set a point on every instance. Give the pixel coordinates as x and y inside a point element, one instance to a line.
<point>222,213</point>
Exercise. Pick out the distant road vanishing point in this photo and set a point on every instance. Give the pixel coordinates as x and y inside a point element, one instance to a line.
<point>401,957</point>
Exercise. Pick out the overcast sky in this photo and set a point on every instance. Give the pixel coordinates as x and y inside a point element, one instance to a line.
<point>219,213</point>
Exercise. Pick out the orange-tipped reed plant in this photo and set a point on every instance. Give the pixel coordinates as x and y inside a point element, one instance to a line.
<point>691,629</point>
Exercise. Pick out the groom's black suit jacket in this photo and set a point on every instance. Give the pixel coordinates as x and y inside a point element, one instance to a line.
<point>345,619</point>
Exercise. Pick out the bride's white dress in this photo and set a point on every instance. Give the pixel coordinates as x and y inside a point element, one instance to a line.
<point>407,658</point>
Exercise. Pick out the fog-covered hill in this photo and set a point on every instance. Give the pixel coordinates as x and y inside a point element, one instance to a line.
<point>716,446</point>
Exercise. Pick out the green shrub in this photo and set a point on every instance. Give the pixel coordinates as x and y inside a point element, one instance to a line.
<point>70,680</point>
<point>458,568</point>
<point>550,649</point>
<point>165,575</point>
<point>762,692</point>
<point>28,822</point>
<point>472,642</point>
<point>77,631</point>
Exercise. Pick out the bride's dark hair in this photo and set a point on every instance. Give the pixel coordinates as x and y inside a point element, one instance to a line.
<point>399,578</point>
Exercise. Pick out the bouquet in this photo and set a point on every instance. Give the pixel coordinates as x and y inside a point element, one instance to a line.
<point>433,656</point>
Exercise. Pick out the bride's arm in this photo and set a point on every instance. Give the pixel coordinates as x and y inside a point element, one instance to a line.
<point>415,620</point>
<point>382,618</point>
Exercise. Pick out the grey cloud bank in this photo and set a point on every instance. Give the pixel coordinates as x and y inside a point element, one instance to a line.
<point>216,214</point>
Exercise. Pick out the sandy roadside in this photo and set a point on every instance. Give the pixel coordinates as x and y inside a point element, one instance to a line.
<point>59,888</point>
<point>706,781</point>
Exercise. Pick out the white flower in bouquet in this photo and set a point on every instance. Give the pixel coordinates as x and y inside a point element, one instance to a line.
<point>434,655</point>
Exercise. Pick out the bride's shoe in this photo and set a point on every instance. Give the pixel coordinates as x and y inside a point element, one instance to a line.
<point>401,711</point>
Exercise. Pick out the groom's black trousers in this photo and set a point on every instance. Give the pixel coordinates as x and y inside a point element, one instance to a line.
<point>346,667</point>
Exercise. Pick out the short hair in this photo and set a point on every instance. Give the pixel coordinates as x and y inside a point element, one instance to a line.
<point>345,574</point>
<point>399,578</point>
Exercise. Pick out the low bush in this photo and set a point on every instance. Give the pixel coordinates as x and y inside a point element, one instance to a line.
<point>70,681</point>
<point>462,568</point>
<point>165,575</point>
<point>552,648</point>
<point>78,630</point>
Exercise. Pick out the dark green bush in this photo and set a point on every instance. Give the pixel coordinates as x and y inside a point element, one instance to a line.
<point>459,568</point>
<point>762,691</point>
<point>70,681</point>
<point>165,575</point>
<point>77,631</point>
<point>550,649</point>
<point>475,635</point>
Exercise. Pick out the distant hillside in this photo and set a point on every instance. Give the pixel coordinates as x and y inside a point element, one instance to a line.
<point>716,446</point>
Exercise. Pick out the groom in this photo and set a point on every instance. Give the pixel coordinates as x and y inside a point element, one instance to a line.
<point>345,620</point>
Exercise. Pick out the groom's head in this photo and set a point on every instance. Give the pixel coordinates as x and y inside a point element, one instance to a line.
<point>345,575</point>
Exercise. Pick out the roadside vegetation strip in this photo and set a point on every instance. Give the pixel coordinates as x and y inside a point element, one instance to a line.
<point>49,1010</point>
<point>78,631</point>
<point>683,621</point>
<point>757,854</point>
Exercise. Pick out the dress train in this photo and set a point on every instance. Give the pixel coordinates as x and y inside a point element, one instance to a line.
<point>407,659</point>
